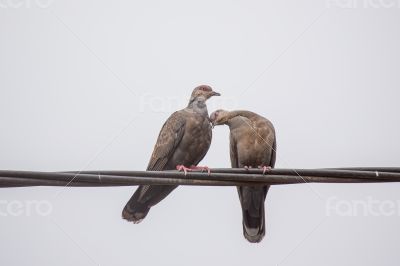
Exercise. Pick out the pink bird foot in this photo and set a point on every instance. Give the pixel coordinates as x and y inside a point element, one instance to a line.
<point>247,167</point>
<point>265,169</point>
<point>183,168</point>
<point>202,168</point>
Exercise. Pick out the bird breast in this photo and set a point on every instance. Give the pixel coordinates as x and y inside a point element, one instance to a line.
<point>253,144</point>
<point>195,142</point>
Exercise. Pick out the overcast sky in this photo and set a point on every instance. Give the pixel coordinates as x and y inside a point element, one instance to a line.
<point>88,84</point>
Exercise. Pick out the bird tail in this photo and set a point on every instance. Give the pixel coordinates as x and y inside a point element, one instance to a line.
<point>142,200</point>
<point>135,211</point>
<point>252,201</point>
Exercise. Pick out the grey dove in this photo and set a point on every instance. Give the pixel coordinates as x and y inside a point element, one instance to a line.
<point>252,144</point>
<point>182,143</point>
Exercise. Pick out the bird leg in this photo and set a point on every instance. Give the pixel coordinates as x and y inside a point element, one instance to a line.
<point>265,168</point>
<point>183,168</point>
<point>202,168</point>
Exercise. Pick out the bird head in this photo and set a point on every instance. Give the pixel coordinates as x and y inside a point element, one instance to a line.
<point>219,117</point>
<point>203,93</point>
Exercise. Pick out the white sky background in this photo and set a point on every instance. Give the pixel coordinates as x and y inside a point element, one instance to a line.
<point>88,85</point>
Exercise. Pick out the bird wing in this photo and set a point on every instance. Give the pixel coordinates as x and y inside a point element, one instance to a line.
<point>273,154</point>
<point>169,138</point>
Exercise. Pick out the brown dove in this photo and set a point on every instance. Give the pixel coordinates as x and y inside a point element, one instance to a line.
<point>252,144</point>
<point>182,143</point>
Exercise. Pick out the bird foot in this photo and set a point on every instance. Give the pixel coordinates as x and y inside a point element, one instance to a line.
<point>183,168</point>
<point>265,168</point>
<point>202,168</point>
<point>247,167</point>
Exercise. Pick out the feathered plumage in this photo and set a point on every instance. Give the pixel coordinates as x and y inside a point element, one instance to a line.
<point>252,144</point>
<point>183,140</point>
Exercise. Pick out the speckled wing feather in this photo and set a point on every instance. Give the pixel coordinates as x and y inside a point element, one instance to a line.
<point>169,138</point>
<point>146,196</point>
<point>273,155</point>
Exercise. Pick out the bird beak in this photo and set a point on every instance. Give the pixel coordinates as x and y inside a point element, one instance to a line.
<point>212,120</point>
<point>214,93</point>
<point>212,124</point>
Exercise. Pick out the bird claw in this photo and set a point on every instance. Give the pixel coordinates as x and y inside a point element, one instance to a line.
<point>265,169</point>
<point>247,167</point>
<point>202,168</point>
<point>183,168</point>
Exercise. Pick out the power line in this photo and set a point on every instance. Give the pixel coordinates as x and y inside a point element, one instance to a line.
<point>218,177</point>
